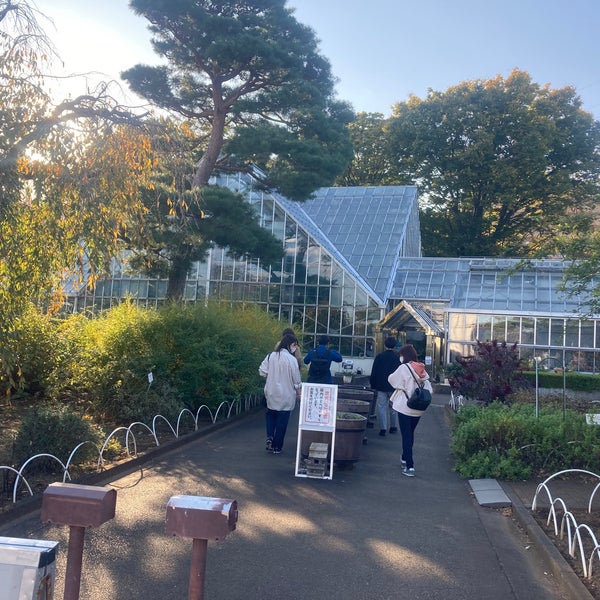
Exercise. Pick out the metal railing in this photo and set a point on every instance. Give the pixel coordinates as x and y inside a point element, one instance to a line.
<point>579,535</point>
<point>225,410</point>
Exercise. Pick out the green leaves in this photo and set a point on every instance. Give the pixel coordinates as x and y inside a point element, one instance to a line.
<point>244,70</point>
<point>501,164</point>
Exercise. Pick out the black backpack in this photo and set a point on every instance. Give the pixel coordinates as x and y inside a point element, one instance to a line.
<point>319,366</point>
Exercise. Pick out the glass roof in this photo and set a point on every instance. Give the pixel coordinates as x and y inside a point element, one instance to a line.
<point>369,226</point>
<point>480,284</point>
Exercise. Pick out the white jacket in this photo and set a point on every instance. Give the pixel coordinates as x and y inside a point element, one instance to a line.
<point>283,379</point>
<point>402,381</point>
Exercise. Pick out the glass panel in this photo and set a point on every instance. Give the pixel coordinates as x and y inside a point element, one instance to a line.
<point>499,329</point>
<point>572,333</point>
<point>587,334</point>
<point>527,330</point>
<point>484,331</point>
<point>542,332</point>
<point>322,319</point>
<point>513,330</point>
<point>557,332</point>
<point>335,320</point>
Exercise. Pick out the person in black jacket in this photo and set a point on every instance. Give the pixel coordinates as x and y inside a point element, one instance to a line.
<point>384,365</point>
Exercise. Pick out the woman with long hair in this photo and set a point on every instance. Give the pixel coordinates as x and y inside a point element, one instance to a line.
<point>282,387</point>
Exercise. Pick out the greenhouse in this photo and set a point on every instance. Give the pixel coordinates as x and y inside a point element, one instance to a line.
<point>353,269</point>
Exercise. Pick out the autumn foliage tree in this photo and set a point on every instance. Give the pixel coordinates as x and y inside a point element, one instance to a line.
<point>69,175</point>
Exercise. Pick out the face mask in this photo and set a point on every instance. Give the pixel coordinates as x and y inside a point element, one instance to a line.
<point>293,349</point>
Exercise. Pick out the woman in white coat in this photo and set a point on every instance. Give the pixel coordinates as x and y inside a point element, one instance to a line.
<point>281,389</point>
<point>404,381</point>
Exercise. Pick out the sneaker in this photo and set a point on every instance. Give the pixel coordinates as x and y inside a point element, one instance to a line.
<point>409,472</point>
<point>276,451</point>
<point>382,432</point>
<point>402,462</point>
<point>269,445</point>
<point>393,430</point>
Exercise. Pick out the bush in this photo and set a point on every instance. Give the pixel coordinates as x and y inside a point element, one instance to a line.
<point>32,346</point>
<point>492,374</point>
<point>56,430</point>
<point>509,442</point>
<point>197,355</point>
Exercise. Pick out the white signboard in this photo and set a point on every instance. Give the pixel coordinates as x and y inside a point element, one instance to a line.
<point>318,408</point>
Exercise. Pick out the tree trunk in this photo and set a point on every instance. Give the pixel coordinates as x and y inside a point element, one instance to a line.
<point>180,266</point>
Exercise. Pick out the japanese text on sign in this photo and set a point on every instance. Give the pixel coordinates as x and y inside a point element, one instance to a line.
<point>318,407</point>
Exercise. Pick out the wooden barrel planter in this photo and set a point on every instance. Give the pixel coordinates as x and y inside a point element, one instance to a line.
<point>361,407</point>
<point>349,433</point>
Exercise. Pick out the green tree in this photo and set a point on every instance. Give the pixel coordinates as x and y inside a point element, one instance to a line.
<point>581,251</point>
<point>371,164</point>
<point>503,165</point>
<point>249,81</point>
<point>251,78</point>
<point>180,223</point>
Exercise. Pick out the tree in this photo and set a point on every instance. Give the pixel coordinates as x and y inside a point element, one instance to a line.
<point>180,223</point>
<point>371,164</point>
<point>251,79</point>
<point>249,82</point>
<point>57,196</point>
<point>581,251</point>
<point>503,165</point>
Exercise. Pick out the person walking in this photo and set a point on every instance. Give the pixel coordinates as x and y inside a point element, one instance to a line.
<point>384,365</point>
<point>298,353</point>
<point>282,387</point>
<point>404,381</point>
<point>319,360</point>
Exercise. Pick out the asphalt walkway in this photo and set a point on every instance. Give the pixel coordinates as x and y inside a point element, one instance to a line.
<point>370,532</point>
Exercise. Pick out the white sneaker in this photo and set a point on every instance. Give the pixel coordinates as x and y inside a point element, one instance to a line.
<point>408,472</point>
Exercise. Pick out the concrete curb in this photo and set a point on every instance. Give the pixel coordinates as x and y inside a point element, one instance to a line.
<point>574,588</point>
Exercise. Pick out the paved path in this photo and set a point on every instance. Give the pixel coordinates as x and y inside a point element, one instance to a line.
<point>368,533</point>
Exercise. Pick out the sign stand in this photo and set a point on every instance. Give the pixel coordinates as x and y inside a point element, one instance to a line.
<point>318,408</point>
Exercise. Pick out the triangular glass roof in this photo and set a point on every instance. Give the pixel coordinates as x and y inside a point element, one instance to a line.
<point>371,227</point>
<point>367,229</point>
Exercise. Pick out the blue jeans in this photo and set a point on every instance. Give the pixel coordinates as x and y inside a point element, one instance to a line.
<point>386,416</point>
<point>277,422</point>
<point>407,429</point>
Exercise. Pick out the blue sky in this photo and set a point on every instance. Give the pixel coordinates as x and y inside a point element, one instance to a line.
<point>381,51</point>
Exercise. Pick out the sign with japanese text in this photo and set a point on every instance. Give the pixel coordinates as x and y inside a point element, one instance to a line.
<point>318,406</point>
<point>316,430</point>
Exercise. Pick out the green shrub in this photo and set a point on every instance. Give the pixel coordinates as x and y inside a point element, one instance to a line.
<point>32,345</point>
<point>581,382</point>
<point>56,430</point>
<point>509,442</point>
<point>197,355</point>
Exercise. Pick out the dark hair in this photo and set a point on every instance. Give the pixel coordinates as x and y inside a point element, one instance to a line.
<point>287,331</point>
<point>408,352</point>
<point>390,342</point>
<point>286,342</point>
<point>323,340</point>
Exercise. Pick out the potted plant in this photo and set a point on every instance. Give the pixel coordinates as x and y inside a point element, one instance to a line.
<point>349,433</point>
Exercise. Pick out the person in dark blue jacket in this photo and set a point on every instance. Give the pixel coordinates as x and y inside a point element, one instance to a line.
<point>384,365</point>
<point>319,360</point>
